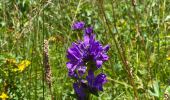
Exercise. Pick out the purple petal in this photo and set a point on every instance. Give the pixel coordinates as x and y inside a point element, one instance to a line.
<point>88,31</point>
<point>78,25</point>
<point>71,55</point>
<point>106,48</point>
<point>79,90</point>
<point>100,80</point>
<point>95,48</point>
<point>82,70</point>
<point>92,39</point>
<point>100,87</point>
<point>105,57</point>
<point>99,63</point>
<point>76,50</point>
<point>86,40</point>
<point>71,66</point>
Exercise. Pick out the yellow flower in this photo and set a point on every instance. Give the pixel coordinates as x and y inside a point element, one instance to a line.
<point>168,58</point>
<point>4,96</point>
<point>52,38</point>
<point>23,65</point>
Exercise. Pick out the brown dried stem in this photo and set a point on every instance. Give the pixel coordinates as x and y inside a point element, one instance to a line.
<point>48,75</point>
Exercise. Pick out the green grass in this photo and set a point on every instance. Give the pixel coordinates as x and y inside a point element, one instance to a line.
<point>139,36</point>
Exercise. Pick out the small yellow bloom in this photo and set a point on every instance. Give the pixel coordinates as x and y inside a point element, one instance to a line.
<point>52,38</point>
<point>23,65</point>
<point>4,96</point>
<point>168,58</point>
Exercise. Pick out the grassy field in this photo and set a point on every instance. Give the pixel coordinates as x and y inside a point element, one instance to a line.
<point>138,32</point>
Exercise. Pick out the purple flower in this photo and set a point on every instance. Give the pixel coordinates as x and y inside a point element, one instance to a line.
<point>96,83</point>
<point>86,54</point>
<point>87,51</point>
<point>78,25</point>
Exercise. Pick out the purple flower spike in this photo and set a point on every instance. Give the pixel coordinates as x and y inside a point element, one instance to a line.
<point>86,51</point>
<point>78,25</point>
<point>90,55</point>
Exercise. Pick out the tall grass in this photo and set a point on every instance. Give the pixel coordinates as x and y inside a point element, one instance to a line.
<point>137,31</point>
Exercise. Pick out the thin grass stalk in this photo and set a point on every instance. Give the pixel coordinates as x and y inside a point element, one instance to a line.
<point>78,6</point>
<point>148,52</point>
<point>138,31</point>
<point>136,19</point>
<point>3,38</point>
<point>43,31</point>
<point>161,32</point>
<point>138,34</point>
<point>74,18</point>
<point>30,70</point>
<point>36,31</point>
<point>164,29</point>
<point>23,44</point>
<point>123,58</point>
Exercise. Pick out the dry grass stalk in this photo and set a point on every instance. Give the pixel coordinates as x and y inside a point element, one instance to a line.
<point>48,74</point>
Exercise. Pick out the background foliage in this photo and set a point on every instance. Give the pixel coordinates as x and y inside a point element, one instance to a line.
<point>138,32</point>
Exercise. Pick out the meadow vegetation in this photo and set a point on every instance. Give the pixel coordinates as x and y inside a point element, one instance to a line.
<point>138,32</point>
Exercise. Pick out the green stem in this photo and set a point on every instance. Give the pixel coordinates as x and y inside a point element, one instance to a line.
<point>121,55</point>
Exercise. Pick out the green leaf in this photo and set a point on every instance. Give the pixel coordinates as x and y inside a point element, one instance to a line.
<point>156,90</point>
<point>167,18</point>
<point>167,91</point>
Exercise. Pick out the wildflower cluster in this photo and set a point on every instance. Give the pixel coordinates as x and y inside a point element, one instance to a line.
<point>85,57</point>
<point>11,72</point>
<point>18,66</point>
<point>23,64</point>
